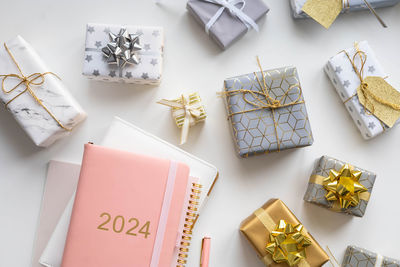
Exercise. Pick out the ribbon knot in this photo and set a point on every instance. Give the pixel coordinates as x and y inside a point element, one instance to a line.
<point>28,81</point>
<point>234,11</point>
<point>192,112</point>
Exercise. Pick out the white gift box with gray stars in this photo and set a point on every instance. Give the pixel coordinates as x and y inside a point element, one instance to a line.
<point>149,69</point>
<point>344,78</point>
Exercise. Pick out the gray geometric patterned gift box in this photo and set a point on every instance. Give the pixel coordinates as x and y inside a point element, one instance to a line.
<point>223,25</point>
<point>345,80</point>
<point>322,182</point>
<point>358,257</point>
<point>148,56</point>
<point>267,112</point>
<point>354,5</point>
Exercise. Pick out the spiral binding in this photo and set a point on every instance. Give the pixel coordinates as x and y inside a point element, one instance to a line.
<point>191,217</point>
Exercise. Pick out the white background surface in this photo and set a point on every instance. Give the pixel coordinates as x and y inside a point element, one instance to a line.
<point>193,62</point>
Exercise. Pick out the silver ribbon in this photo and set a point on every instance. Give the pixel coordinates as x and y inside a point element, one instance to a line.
<point>231,6</point>
<point>122,48</point>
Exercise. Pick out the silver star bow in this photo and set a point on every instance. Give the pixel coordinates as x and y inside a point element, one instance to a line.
<point>122,48</point>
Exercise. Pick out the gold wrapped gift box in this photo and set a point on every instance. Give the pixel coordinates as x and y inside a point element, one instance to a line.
<point>259,225</point>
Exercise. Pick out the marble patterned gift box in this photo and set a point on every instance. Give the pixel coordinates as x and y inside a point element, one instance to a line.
<point>345,80</point>
<point>358,257</point>
<point>259,128</point>
<point>36,97</point>
<point>227,27</point>
<point>149,68</point>
<point>354,5</point>
<point>317,191</point>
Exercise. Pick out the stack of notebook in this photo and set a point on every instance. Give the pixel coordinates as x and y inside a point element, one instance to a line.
<point>130,209</point>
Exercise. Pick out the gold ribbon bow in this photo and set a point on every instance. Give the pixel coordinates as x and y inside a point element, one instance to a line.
<point>288,243</point>
<point>344,187</point>
<point>191,111</point>
<point>36,79</point>
<point>325,12</point>
<point>375,94</point>
<point>263,100</point>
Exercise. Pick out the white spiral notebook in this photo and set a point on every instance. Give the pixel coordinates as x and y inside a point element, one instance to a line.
<point>125,136</point>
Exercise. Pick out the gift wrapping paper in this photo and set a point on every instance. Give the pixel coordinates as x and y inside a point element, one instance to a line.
<point>254,131</point>
<point>345,80</point>
<point>30,115</point>
<point>355,5</point>
<point>316,192</point>
<point>228,28</point>
<point>149,69</point>
<point>179,113</point>
<point>358,257</point>
<point>255,230</point>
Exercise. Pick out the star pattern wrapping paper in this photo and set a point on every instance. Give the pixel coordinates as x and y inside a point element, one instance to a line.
<point>30,115</point>
<point>316,193</point>
<point>345,80</point>
<point>355,5</point>
<point>358,257</point>
<point>254,131</point>
<point>149,69</point>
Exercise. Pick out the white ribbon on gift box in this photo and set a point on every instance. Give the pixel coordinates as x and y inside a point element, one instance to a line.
<point>230,5</point>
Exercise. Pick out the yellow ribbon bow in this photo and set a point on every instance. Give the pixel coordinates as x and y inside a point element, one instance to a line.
<point>190,110</point>
<point>325,12</point>
<point>36,79</point>
<point>288,243</point>
<point>344,186</point>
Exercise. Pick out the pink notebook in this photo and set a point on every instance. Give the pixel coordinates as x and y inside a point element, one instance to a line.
<point>127,210</point>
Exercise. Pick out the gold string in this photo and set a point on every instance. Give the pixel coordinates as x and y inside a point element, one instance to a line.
<point>270,102</point>
<point>333,257</point>
<point>28,81</point>
<point>366,91</point>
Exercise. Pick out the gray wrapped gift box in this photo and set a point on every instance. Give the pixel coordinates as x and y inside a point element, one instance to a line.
<point>355,5</point>
<point>228,28</point>
<point>358,257</point>
<point>254,130</point>
<point>316,193</point>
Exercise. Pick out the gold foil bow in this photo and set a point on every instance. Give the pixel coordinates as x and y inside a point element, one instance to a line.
<point>33,79</point>
<point>344,187</point>
<point>187,111</point>
<point>374,93</point>
<point>263,100</point>
<point>288,243</point>
<point>325,12</point>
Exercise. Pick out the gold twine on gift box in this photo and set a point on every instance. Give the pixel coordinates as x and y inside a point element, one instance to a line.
<point>33,79</point>
<point>325,12</point>
<point>375,95</point>
<point>268,103</point>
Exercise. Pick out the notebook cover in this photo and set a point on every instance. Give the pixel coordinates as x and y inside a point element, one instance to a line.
<point>61,181</point>
<point>126,136</point>
<point>127,210</point>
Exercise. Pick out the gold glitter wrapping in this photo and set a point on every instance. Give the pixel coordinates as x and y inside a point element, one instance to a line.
<point>324,12</point>
<point>384,92</point>
<point>257,234</point>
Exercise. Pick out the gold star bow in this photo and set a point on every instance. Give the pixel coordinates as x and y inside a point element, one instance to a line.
<point>288,243</point>
<point>344,186</point>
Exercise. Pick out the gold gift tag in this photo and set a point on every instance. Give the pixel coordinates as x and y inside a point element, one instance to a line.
<point>323,11</point>
<point>383,100</point>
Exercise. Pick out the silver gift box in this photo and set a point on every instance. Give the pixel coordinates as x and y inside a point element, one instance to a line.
<point>355,5</point>
<point>254,131</point>
<point>316,193</point>
<point>228,28</point>
<point>358,257</point>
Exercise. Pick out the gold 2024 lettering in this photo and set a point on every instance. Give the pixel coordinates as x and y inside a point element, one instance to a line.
<point>118,225</point>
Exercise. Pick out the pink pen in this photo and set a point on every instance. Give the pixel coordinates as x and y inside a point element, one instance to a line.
<point>205,252</point>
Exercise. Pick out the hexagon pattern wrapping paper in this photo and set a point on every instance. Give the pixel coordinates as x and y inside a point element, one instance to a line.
<point>254,131</point>
<point>358,257</point>
<point>316,193</point>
